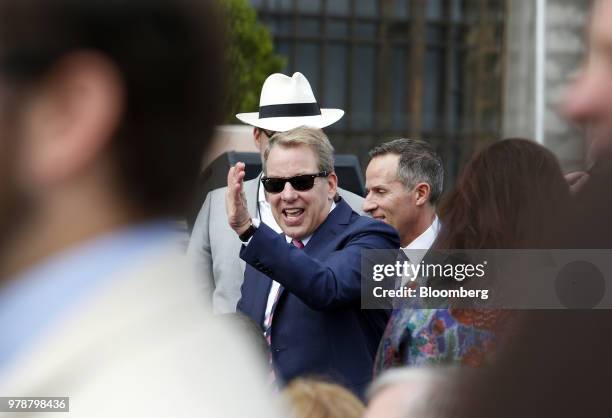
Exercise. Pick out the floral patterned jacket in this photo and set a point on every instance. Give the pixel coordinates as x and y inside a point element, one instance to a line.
<point>417,337</point>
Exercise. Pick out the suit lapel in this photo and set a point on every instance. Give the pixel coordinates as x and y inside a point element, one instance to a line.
<point>281,290</point>
<point>334,224</point>
<point>259,297</point>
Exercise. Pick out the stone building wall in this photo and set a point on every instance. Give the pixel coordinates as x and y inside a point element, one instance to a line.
<point>565,46</point>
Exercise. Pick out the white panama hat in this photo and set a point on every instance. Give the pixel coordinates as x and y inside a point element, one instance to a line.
<point>287,103</point>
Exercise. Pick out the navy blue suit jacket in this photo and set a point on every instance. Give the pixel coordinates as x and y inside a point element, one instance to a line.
<point>319,328</point>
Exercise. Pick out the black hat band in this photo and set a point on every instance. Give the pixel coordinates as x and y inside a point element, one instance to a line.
<point>289,110</point>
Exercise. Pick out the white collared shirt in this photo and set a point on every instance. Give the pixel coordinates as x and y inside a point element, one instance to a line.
<point>423,242</point>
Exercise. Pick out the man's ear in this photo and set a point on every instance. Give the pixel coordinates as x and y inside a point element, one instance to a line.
<point>257,138</point>
<point>332,183</point>
<point>70,118</point>
<point>422,193</point>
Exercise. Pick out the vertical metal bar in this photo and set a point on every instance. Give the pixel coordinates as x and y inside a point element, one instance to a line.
<point>480,55</point>
<point>470,82</point>
<point>322,52</point>
<point>504,64</point>
<point>418,41</point>
<point>382,88</point>
<point>540,79</point>
<point>349,65</point>
<point>447,84</point>
<point>294,36</point>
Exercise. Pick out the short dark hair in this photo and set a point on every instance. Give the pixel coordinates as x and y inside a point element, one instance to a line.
<point>169,54</point>
<point>418,163</point>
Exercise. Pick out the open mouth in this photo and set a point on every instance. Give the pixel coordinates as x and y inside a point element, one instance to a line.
<point>293,216</point>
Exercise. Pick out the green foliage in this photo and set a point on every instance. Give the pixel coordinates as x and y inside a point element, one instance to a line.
<point>251,57</point>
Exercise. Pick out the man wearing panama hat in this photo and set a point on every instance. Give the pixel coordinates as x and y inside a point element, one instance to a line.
<point>285,103</point>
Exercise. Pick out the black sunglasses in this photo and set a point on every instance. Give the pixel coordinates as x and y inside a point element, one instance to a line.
<point>300,183</point>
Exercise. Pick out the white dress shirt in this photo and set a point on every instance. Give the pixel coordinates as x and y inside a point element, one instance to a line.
<point>423,242</point>
<point>416,250</point>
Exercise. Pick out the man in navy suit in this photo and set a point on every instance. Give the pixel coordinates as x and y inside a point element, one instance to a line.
<point>304,286</point>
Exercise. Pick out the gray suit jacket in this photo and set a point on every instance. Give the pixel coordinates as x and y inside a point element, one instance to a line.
<point>214,246</point>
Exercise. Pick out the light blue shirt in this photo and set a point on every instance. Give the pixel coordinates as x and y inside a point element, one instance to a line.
<point>31,302</point>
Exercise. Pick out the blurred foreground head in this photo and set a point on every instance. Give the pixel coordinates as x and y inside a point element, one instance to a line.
<point>412,392</point>
<point>309,398</point>
<point>503,198</point>
<point>589,100</point>
<point>106,107</point>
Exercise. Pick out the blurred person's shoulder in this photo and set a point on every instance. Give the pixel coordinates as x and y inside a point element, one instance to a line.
<point>145,346</point>
<point>354,200</point>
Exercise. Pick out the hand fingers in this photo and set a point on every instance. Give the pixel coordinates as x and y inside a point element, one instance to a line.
<point>239,173</point>
<point>235,200</point>
<point>235,181</point>
<point>577,185</point>
<point>230,177</point>
<point>575,177</point>
<point>235,175</point>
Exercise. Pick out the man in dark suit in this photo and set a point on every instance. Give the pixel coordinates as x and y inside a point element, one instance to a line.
<point>213,245</point>
<point>304,286</point>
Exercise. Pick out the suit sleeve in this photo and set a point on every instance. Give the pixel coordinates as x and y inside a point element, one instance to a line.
<point>322,285</point>
<point>199,249</point>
